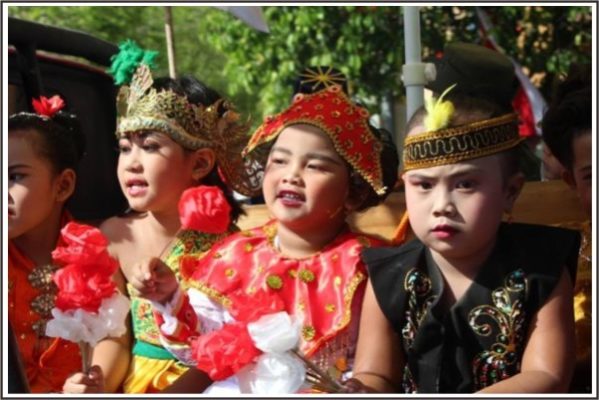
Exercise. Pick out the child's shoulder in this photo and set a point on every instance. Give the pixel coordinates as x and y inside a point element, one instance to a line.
<point>117,226</point>
<point>385,255</point>
<point>542,248</point>
<point>549,240</point>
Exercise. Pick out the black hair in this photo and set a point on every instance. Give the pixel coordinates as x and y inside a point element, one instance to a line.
<point>389,160</point>
<point>470,109</point>
<point>198,93</point>
<point>569,114</point>
<point>58,139</point>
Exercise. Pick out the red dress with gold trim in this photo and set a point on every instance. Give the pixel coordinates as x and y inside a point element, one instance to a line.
<point>47,361</point>
<point>324,291</point>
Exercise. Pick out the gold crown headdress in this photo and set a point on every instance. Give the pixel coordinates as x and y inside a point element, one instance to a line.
<point>441,145</point>
<point>140,107</point>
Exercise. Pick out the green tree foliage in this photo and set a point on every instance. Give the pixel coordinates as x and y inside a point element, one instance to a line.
<point>365,42</point>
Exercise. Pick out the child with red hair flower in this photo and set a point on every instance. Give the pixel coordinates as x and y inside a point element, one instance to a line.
<point>44,149</point>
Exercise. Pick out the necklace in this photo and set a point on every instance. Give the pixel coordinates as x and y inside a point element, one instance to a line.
<point>40,278</point>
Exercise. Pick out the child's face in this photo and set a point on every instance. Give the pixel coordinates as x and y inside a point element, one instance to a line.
<point>581,176</point>
<point>153,171</point>
<point>455,209</point>
<point>306,183</point>
<point>32,186</point>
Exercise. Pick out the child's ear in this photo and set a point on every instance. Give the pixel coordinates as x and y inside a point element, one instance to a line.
<point>65,184</point>
<point>513,187</point>
<point>204,160</point>
<point>568,177</point>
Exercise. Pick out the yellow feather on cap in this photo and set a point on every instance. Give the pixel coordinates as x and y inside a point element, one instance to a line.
<point>438,112</point>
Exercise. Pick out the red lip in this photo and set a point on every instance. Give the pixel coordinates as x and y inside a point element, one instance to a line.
<point>136,181</point>
<point>136,187</point>
<point>444,231</point>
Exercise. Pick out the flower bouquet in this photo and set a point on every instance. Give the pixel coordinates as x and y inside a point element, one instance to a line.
<point>88,305</point>
<point>260,348</point>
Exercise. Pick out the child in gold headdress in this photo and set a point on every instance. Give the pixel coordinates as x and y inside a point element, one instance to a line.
<point>473,304</point>
<point>173,134</point>
<point>322,162</point>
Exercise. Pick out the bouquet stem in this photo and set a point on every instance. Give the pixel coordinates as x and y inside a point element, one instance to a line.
<point>318,377</point>
<point>86,356</point>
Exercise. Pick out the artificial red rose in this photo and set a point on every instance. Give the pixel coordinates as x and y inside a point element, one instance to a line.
<point>82,244</point>
<point>224,352</point>
<point>249,308</point>
<point>83,286</point>
<point>205,209</point>
<point>48,106</point>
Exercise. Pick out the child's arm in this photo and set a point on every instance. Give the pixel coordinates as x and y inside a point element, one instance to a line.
<point>192,381</point>
<point>174,315</point>
<point>379,358</point>
<point>548,361</point>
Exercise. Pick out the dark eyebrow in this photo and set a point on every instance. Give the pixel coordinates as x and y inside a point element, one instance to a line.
<point>450,176</point>
<point>281,150</point>
<point>310,156</point>
<point>15,166</point>
<point>322,157</point>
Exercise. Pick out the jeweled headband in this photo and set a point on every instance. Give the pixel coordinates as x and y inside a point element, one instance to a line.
<point>140,107</point>
<point>345,123</point>
<point>441,146</point>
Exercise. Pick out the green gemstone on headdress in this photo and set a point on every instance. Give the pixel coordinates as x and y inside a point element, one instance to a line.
<point>126,61</point>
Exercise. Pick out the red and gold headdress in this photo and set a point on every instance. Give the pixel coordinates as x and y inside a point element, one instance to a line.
<point>344,122</point>
<point>140,107</point>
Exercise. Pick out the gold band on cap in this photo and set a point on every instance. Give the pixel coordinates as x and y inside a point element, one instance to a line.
<point>465,142</point>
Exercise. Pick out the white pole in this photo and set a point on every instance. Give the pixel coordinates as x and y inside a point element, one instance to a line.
<point>413,69</point>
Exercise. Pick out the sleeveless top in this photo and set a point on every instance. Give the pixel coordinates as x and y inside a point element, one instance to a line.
<point>479,340</point>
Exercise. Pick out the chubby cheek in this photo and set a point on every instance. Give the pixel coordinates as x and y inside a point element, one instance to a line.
<point>269,183</point>
<point>418,212</point>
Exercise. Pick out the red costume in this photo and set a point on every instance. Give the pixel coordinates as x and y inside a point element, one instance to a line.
<point>31,293</point>
<point>324,290</point>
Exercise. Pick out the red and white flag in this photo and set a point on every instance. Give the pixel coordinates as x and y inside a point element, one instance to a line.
<point>528,101</point>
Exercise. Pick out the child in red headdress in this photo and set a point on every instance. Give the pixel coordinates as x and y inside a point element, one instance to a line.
<point>324,161</point>
<point>44,150</point>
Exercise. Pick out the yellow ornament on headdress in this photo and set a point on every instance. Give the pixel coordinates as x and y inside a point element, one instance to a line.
<point>438,112</point>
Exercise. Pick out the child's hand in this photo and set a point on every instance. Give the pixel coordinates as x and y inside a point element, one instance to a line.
<point>79,383</point>
<point>353,385</point>
<point>154,280</point>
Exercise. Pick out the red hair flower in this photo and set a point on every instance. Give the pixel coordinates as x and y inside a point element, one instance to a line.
<point>48,106</point>
<point>205,209</point>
